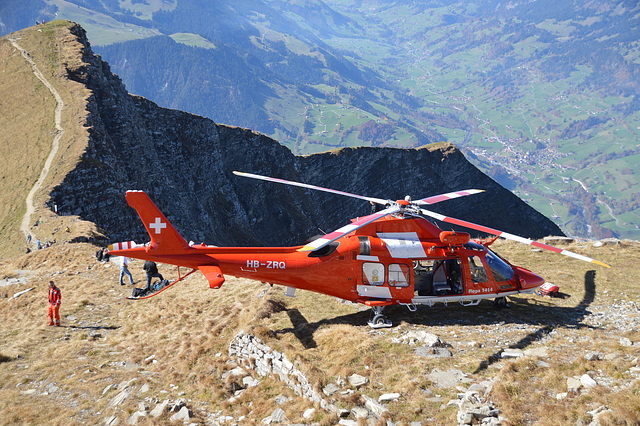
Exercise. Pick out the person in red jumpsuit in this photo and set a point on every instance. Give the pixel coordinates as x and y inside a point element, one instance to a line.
<point>55,296</point>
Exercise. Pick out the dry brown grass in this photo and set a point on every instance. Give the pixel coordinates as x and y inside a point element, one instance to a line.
<point>106,339</point>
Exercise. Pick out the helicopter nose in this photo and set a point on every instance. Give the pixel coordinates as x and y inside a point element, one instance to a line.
<point>528,279</point>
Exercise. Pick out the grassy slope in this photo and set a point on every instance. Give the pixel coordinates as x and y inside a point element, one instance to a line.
<point>105,340</point>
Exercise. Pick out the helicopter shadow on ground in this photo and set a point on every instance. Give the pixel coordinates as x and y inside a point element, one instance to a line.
<point>532,312</point>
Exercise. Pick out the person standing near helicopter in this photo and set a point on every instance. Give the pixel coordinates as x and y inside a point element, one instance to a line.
<point>152,271</point>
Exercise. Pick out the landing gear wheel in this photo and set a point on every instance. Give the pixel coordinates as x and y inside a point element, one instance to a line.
<point>379,321</point>
<point>500,302</point>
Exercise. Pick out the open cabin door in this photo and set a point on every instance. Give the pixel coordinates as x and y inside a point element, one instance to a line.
<point>438,277</point>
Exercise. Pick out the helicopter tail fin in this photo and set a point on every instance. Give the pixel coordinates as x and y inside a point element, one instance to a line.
<point>164,237</point>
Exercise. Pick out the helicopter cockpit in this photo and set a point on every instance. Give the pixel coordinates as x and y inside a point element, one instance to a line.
<point>500,269</point>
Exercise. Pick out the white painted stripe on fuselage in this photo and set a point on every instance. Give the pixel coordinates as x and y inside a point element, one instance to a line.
<point>367,258</point>
<point>403,244</point>
<point>374,291</point>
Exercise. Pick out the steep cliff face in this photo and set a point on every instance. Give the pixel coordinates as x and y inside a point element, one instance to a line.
<point>185,163</point>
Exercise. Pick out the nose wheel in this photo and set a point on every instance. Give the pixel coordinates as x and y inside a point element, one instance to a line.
<point>500,303</point>
<point>377,319</point>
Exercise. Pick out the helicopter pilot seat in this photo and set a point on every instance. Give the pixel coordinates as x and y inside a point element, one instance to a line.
<point>440,284</point>
<point>423,280</point>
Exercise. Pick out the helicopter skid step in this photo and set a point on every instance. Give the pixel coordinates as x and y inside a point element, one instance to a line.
<point>464,300</point>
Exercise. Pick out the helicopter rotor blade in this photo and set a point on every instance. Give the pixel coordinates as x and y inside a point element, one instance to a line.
<point>305,185</point>
<point>510,236</point>
<point>448,196</point>
<point>347,229</point>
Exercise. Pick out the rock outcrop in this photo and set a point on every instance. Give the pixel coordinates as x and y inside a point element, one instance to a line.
<point>185,163</point>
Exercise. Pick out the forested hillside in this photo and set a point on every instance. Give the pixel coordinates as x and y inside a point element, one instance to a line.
<point>541,95</point>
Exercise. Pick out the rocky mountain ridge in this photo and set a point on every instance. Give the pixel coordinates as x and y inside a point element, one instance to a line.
<point>185,163</point>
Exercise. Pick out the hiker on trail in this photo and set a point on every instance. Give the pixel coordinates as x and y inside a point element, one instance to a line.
<point>124,263</point>
<point>152,271</point>
<point>55,296</point>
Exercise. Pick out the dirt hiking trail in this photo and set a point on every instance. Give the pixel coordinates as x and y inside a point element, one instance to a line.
<point>26,219</point>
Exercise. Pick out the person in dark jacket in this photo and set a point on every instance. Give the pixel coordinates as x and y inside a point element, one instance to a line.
<point>152,272</point>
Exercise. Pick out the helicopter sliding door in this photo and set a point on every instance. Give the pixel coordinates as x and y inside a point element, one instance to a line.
<point>385,281</point>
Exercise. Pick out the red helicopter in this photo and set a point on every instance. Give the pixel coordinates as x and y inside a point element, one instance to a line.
<point>391,257</point>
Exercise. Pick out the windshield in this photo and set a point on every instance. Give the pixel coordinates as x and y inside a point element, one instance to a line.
<point>500,269</point>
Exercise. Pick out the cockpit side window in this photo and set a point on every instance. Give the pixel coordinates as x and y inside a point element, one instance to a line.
<point>478,273</point>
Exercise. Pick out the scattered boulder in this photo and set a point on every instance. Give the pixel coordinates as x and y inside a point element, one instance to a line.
<point>184,415</point>
<point>160,408</point>
<point>587,381</point>
<point>511,353</point>
<point>278,416</point>
<point>360,412</point>
<point>573,385</point>
<point>330,389</point>
<point>374,407</point>
<point>357,380</point>
<point>136,417</point>
<point>447,379</point>
<point>433,352</point>
<point>387,397</point>
<point>594,356</point>
<point>119,399</point>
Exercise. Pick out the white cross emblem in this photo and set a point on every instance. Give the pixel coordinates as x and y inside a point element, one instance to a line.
<point>158,225</point>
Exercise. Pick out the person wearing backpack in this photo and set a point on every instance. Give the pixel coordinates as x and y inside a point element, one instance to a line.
<point>152,271</point>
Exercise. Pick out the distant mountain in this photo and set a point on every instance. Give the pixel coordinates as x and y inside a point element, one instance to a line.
<point>185,162</point>
<point>541,95</point>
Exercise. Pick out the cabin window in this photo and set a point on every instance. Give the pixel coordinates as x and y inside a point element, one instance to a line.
<point>398,275</point>
<point>373,273</point>
<point>478,273</point>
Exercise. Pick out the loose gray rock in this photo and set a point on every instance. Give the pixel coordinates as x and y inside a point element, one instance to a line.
<point>388,397</point>
<point>160,408</point>
<point>594,356</point>
<point>360,412</point>
<point>119,399</point>
<point>573,385</point>
<point>374,407</point>
<point>183,415</point>
<point>587,381</point>
<point>433,352</point>
<point>447,379</point>
<point>330,389</point>
<point>357,380</point>
<point>511,353</point>
<point>135,417</point>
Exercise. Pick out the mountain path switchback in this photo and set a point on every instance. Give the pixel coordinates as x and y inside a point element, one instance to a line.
<point>26,219</point>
